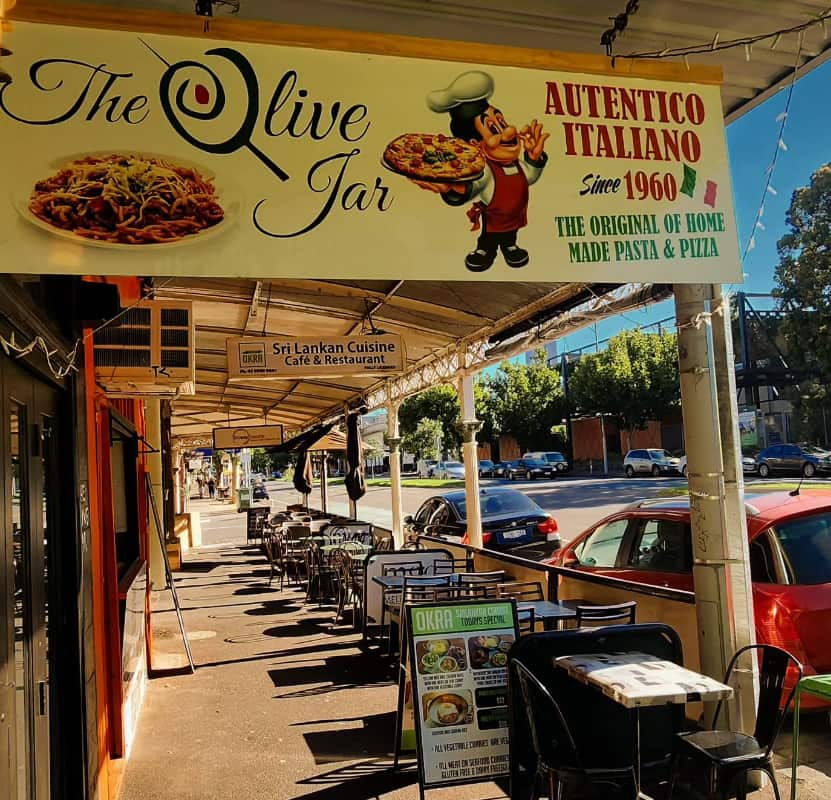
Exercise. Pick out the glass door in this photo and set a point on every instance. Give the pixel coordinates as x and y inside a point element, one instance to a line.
<point>28,440</point>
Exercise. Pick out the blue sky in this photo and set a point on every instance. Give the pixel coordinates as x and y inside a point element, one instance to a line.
<point>751,141</point>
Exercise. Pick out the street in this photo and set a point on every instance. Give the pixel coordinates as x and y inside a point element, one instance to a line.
<point>574,502</point>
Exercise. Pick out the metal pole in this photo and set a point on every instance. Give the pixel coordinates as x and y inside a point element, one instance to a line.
<point>324,483</point>
<point>722,581</point>
<point>470,425</point>
<point>396,503</point>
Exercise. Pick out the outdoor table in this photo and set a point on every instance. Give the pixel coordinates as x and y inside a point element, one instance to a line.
<point>550,613</point>
<point>365,549</point>
<point>820,686</point>
<point>635,680</point>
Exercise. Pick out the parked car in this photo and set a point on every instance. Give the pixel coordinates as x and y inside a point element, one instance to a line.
<point>509,518</point>
<point>650,462</point>
<point>446,470</point>
<point>793,459</point>
<point>529,469</point>
<point>486,468</point>
<point>500,469</point>
<point>259,492</point>
<point>748,465</point>
<point>553,457</point>
<point>276,474</point>
<point>790,562</point>
<point>426,467</point>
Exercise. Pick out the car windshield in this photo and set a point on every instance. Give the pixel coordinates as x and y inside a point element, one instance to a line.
<point>485,463</point>
<point>806,546</point>
<point>454,464</point>
<point>658,454</point>
<point>814,450</point>
<point>500,505</point>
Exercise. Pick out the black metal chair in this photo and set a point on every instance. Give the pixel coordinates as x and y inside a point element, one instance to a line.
<point>728,756</point>
<point>414,544</point>
<point>559,763</point>
<point>450,566</point>
<point>522,590</point>
<point>391,597</point>
<point>603,615</point>
<point>525,621</point>
<point>416,589</point>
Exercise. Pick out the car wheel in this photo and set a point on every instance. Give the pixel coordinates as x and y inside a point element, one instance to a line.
<point>764,470</point>
<point>528,475</point>
<point>629,471</point>
<point>656,471</point>
<point>809,470</point>
<point>684,471</point>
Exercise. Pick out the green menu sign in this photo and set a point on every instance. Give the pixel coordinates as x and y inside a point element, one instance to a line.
<point>458,667</point>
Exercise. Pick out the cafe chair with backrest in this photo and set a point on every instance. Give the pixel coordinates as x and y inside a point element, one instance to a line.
<point>559,764</point>
<point>527,591</point>
<point>728,756</point>
<point>450,566</point>
<point>606,615</point>
<point>415,544</point>
<point>479,585</point>
<point>416,589</point>
<point>525,621</point>
<point>391,596</point>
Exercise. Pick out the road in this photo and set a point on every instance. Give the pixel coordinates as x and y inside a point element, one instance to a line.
<point>574,502</point>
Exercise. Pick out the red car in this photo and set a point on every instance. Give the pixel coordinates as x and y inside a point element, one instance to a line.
<point>790,564</point>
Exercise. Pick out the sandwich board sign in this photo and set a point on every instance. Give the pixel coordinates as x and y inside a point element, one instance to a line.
<point>458,668</point>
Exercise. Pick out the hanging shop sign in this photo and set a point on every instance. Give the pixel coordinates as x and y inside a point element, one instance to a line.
<point>458,666</point>
<point>318,357</point>
<point>140,153</point>
<point>255,436</point>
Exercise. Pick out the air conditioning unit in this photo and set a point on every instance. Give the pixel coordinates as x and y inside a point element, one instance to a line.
<point>148,351</point>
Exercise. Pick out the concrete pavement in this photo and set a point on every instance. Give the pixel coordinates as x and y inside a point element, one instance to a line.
<point>286,704</point>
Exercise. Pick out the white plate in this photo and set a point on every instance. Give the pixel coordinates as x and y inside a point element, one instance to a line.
<point>227,193</point>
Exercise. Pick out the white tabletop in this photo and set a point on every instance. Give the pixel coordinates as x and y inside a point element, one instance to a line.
<point>640,679</point>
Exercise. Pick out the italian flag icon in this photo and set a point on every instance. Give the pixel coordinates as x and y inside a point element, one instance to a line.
<point>689,182</point>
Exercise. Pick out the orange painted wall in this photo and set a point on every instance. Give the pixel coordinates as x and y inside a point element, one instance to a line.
<point>650,437</point>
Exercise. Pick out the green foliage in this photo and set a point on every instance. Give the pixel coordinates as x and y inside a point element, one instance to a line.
<point>633,380</point>
<point>441,403</point>
<point>421,441</point>
<point>804,292</point>
<point>524,401</point>
<point>804,274</point>
<point>260,461</point>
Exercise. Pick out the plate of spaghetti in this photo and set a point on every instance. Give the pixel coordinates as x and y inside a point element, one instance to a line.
<point>128,201</point>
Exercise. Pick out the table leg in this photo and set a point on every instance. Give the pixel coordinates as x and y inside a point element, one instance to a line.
<point>795,743</point>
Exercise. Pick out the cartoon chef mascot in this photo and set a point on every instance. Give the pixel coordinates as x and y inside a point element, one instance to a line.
<point>514,160</point>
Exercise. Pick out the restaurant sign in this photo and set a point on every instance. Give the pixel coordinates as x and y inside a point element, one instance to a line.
<point>252,436</point>
<point>314,357</point>
<point>458,661</point>
<point>153,154</point>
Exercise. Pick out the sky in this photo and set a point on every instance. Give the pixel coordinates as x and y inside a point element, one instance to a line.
<point>751,142</point>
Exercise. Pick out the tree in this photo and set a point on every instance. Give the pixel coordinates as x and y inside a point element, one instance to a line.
<point>440,403</point>
<point>260,461</point>
<point>421,441</point>
<point>373,450</point>
<point>804,274</point>
<point>524,401</point>
<point>633,380</point>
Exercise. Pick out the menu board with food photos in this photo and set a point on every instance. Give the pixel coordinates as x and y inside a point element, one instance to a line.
<point>458,665</point>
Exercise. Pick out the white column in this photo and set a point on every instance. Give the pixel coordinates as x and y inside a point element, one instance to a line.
<point>719,531</point>
<point>394,441</point>
<point>153,433</point>
<point>470,425</point>
<point>324,482</point>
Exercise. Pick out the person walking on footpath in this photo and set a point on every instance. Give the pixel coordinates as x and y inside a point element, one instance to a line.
<point>211,487</point>
<point>199,482</point>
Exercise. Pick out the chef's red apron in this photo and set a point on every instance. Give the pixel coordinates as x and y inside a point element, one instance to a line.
<point>508,209</point>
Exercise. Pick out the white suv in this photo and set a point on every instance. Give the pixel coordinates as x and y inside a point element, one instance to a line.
<point>651,462</point>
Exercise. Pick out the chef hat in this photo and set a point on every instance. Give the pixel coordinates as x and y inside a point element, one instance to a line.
<point>465,98</point>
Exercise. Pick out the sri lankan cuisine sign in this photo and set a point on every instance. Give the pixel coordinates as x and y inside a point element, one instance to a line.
<point>318,357</point>
<point>154,154</point>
